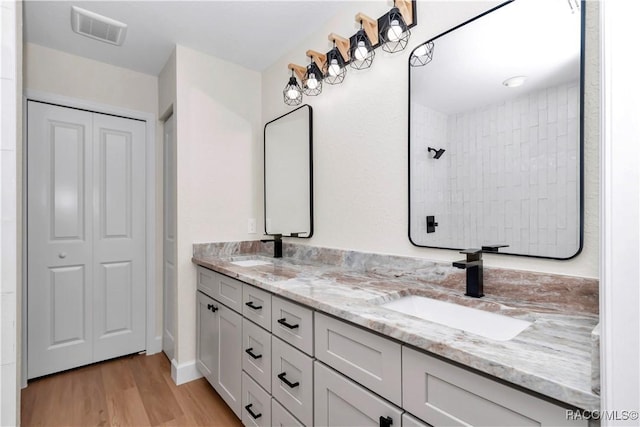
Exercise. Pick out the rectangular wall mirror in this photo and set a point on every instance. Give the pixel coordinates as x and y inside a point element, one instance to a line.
<point>288,174</point>
<point>496,132</point>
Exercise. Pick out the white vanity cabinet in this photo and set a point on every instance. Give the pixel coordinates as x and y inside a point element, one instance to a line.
<point>341,402</point>
<point>443,394</point>
<point>219,336</point>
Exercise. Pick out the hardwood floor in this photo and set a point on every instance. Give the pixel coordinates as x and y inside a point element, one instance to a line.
<point>129,391</point>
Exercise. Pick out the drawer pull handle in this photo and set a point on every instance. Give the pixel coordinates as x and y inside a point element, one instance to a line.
<point>386,421</point>
<point>212,307</point>
<point>249,351</point>
<point>255,307</point>
<point>283,322</point>
<point>286,381</point>
<point>253,414</point>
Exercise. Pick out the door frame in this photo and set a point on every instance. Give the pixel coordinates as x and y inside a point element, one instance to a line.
<point>153,341</point>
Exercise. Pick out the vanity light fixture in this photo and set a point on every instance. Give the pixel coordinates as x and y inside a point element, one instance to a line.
<point>292,91</point>
<point>361,44</point>
<point>515,81</point>
<point>422,55</point>
<point>312,80</point>
<point>335,68</point>
<point>394,28</point>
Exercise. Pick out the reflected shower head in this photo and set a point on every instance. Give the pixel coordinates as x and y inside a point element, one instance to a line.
<point>436,153</point>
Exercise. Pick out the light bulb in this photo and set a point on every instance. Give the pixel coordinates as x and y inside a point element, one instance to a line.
<point>292,93</point>
<point>334,68</point>
<point>312,82</point>
<point>361,51</point>
<point>395,31</point>
<point>420,50</point>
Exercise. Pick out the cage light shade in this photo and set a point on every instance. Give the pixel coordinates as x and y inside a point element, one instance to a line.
<point>334,69</point>
<point>312,84</point>
<point>361,51</point>
<point>394,33</point>
<point>421,55</point>
<point>292,92</point>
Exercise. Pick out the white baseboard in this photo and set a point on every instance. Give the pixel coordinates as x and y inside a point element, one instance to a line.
<point>184,373</point>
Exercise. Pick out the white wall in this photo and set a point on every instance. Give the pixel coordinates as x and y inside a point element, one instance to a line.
<point>219,172</point>
<point>10,156</point>
<point>360,142</point>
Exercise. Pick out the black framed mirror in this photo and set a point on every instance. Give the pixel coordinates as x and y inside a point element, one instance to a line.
<point>496,132</point>
<point>288,174</point>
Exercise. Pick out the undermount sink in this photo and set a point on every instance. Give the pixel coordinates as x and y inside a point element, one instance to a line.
<point>479,322</point>
<point>250,261</point>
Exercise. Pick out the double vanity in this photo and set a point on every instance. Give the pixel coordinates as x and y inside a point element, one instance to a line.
<point>330,338</point>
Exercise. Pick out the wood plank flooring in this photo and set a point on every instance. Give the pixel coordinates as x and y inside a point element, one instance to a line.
<point>129,391</point>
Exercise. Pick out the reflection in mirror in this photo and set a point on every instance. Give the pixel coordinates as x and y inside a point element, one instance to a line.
<point>495,138</point>
<point>288,174</point>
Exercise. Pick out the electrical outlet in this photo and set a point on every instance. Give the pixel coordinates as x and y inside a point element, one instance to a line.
<point>251,226</point>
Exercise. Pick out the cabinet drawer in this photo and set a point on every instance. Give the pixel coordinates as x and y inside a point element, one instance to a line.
<point>256,403</point>
<point>367,358</point>
<point>256,353</point>
<point>410,421</point>
<point>443,394</point>
<point>257,306</point>
<point>206,280</point>
<point>293,323</point>
<point>292,380</point>
<point>341,402</point>
<point>280,417</point>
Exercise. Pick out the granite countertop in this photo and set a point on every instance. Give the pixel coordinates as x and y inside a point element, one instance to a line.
<point>552,357</point>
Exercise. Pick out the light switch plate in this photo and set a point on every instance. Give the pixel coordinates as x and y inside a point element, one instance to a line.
<point>251,226</point>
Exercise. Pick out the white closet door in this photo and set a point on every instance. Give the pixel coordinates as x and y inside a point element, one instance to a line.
<point>59,229</point>
<point>86,237</point>
<point>118,236</point>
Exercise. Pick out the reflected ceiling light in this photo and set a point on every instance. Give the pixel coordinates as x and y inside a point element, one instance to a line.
<point>335,68</point>
<point>312,80</point>
<point>361,44</point>
<point>515,81</point>
<point>394,30</point>
<point>292,92</point>
<point>421,55</point>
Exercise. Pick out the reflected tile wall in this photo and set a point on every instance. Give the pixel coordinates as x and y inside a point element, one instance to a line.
<point>509,174</point>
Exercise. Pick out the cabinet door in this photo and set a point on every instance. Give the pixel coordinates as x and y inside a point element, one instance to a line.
<point>229,346</point>
<point>292,381</point>
<point>341,402</point>
<point>256,353</point>
<point>443,394</point>
<point>206,337</point>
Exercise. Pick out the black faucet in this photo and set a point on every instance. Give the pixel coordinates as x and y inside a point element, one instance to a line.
<point>473,265</point>
<point>277,245</point>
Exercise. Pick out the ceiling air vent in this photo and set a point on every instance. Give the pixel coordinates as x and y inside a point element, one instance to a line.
<point>97,27</point>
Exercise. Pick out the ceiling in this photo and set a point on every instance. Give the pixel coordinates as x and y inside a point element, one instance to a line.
<point>250,33</point>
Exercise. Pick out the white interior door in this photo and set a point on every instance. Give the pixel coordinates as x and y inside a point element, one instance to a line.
<point>119,259</point>
<point>169,244</point>
<point>59,228</point>
<point>86,237</point>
